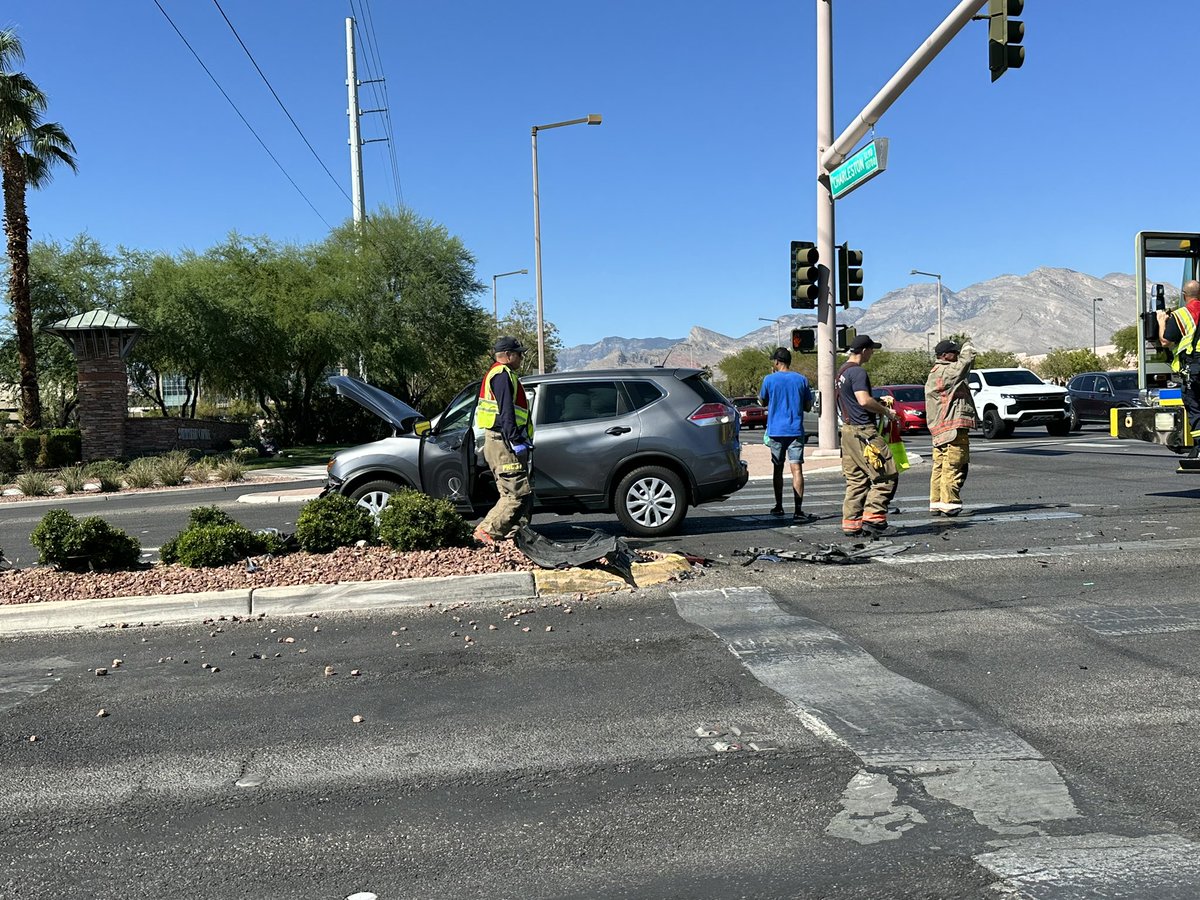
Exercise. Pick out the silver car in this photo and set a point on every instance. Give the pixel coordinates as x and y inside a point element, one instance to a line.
<point>643,443</point>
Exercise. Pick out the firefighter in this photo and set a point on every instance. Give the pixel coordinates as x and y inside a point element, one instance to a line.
<point>950,412</point>
<point>503,415</point>
<point>870,471</point>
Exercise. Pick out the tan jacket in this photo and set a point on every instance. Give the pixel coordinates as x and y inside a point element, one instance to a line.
<point>948,402</point>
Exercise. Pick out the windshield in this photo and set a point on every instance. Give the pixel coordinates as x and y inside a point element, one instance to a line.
<point>1124,381</point>
<point>909,394</point>
<point>1009,377</point>
<point>739,402</point>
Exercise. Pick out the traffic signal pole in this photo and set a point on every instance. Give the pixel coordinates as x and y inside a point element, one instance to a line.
<point>830,154</point>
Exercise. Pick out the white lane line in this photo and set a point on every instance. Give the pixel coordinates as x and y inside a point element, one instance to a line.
<point>1180,544</point>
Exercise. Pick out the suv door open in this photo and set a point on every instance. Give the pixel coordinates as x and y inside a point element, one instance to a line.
<point>448,465</point>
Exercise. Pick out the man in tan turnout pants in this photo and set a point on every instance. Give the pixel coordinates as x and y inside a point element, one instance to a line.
<point>950,412</point>
<point>867,464</point>
<point>503,415</point>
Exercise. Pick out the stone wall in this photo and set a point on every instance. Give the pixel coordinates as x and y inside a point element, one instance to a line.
<point>147,437</point>
<point>103,397</point>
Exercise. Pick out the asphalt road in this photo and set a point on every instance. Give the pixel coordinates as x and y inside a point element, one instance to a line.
<point>1006,708</point>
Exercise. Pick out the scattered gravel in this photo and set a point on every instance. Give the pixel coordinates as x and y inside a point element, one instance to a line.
<point>38,584</point>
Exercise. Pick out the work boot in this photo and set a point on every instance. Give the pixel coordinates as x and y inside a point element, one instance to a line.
<point>882,529</point>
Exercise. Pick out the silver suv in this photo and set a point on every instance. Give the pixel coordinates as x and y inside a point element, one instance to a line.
<point>643,443</point>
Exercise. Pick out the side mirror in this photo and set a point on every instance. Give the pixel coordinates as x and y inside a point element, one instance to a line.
<point>1103,389</point>
<point>421,427</point>
<point>973,387</point>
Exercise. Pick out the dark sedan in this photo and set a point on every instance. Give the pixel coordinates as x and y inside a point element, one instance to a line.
<point>1092,394</point>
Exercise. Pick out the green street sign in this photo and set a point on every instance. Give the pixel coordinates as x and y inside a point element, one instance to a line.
<point>859,168</point>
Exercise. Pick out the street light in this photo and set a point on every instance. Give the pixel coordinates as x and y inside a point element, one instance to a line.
<point>1094,302</point>
<point>939,278</point>
<point>592,119</point>
<point>495,311</point>
<point>928,335</point>
<point>778,338</point>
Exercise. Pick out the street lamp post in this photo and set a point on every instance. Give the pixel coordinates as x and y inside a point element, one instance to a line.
<point>495,309</point>
<point>1094,302</point>
<point>592,119</point>
<point>939,278</point>
<point>928,335</point>
<point>778,333</point>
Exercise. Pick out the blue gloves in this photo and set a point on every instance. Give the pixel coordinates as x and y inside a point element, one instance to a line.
<point>521,448</point>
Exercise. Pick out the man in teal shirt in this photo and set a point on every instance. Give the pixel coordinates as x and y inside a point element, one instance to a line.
<point>787,397</point>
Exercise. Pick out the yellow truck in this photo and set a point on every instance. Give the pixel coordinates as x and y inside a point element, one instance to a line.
<point>1161,419</point>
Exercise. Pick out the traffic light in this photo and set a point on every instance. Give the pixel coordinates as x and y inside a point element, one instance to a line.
<point>845,337</point>
<point>850,275</point>
<point>805,275</point>
<point>1004,36</point>
<point>804,340</point>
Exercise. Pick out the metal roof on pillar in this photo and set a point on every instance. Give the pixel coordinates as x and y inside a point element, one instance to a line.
<point>96,329</point>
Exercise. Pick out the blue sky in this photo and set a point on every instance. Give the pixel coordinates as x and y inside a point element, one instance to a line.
<point>677,210</point>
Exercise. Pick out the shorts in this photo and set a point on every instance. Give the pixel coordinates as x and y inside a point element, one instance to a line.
<point>793,447</point>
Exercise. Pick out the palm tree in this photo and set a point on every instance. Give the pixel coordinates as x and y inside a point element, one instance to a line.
<point>29,149</point>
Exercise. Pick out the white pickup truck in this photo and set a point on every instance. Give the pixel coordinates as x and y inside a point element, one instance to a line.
<point>1006,398</point>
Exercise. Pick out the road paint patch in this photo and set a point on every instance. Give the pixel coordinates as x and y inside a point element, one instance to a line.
<point>20,681</point>
<point>1121,621</point>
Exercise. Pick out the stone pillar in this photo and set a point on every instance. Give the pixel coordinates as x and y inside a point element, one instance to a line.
<point>103,399</point>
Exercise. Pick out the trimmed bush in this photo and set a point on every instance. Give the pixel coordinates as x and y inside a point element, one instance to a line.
<point>71,478</point>
<point>230,470</point>
<point>60,447</point>
<point>81,545</point>
<point>206,546</point>
<point>108,472</point>
<point>10,459</point>
<point>202,516</point>
<point>142,473</point>
<point>245,454</point>
<point>173,467</point>
<point>34,484</point>
<point>416,521</point>
<point>29,448</point>
<point>330,522</point>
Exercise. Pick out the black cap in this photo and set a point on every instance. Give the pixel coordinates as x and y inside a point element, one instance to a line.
<point>508,345</point>
<point>945,347</point>
<point>783,355</point>
<point>862,342</point>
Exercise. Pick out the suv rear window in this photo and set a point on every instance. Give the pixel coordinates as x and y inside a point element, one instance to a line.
<point>705,390</point>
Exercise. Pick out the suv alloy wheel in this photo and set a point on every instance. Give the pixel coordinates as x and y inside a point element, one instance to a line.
<point>650,501</point>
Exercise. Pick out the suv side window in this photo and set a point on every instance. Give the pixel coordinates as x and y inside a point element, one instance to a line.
<point>643,393</point>
<point>458,413</point>
<point>577,401</point>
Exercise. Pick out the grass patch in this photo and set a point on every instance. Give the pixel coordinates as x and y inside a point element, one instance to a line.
<point>312,455</point>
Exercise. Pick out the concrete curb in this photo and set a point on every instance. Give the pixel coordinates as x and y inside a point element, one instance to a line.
<point>299,495</point>
<point>596,581</point>
<point>182,609</point>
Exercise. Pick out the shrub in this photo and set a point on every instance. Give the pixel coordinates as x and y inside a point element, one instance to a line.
<point>202,516</point>
<point>34,484</point>
<point>10,459</point>
<point>330,522</point>
<point>71,478</point>
<point>107,472</point>
<point>416,521</point>
<point>60,447</point>
<point>29,447</point>
<point>215,545</point>
<point>230,470</point>
<point>83,544</point>
<point>203,469</point>
<point>245,454</point>
<point>173,467</point>
<point>142,473</point>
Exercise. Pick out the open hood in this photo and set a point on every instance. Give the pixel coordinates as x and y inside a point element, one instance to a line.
<point>395,412</point>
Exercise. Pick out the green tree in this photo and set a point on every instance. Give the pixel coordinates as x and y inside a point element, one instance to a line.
<point>743,372</point>
<point>29,149</point>
<point>521,323</point>
<point>1061,364</point>
<point>1125,340</point>
<point>898,367</point>
<point>996,359</point>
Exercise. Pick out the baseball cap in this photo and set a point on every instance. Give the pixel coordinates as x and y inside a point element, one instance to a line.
<point>945,347</point>
<point>783,355</point>
<point>862,342</point>
<point>508,345</point>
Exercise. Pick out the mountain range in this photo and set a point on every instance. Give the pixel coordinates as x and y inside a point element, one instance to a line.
<point>1026,314</point>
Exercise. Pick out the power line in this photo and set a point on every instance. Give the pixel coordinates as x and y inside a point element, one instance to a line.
<point>229,100</point>
<point>266,81</point>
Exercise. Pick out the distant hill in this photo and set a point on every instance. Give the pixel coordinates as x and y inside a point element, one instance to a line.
<point>1026,314</point>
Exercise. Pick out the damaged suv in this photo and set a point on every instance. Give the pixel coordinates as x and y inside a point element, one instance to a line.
<point>642,443</point>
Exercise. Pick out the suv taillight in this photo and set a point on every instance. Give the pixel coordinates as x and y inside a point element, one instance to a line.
<point>710,414</point>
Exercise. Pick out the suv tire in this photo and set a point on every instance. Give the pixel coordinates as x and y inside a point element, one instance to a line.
<point>1076,424</point>
<point>374,495</point>
<point>995,427</point>
<point>650,501</point>
<point>1059,429</point>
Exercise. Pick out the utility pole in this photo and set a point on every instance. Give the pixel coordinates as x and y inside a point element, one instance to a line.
<point>356,176</point>
<point>826,309</point>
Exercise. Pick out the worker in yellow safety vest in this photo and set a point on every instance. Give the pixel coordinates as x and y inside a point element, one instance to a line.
<point>1178,332</point>
<point>502,414</point>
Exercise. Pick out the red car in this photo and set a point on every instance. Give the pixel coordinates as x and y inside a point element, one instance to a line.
<point>753,414</point>
<point>909,401</point>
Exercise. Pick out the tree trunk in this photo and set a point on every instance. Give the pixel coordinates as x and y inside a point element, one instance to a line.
<point>16,229</point>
